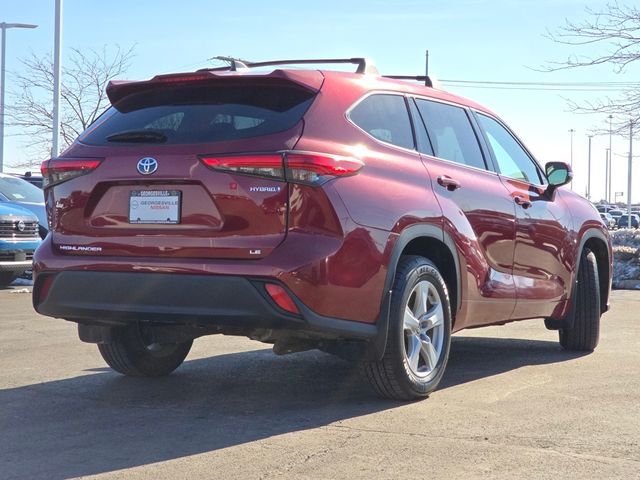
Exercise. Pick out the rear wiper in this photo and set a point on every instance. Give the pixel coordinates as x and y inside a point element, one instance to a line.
<point>138,136</point>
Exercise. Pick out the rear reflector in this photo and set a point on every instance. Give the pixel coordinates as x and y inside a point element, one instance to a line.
<point>281,297</point>
<point>58,170</point>
<point>296,167</point>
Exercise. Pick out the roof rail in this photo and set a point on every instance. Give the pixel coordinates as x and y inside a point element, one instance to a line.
<point>419,78</point>
<point>365,66</point>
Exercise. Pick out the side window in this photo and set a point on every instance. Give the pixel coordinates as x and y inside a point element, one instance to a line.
<point>513,161</point>
<point>451,133</point>
<point>384,117</point>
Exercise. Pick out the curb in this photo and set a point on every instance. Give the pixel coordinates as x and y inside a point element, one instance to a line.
<point>627,285</point>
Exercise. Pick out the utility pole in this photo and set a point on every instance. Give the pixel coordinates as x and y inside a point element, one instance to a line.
<point>610,164</point>
<point>4,26</point>
<point>629,172</point>
<point>607,183</point>
<point>589,170</point>
<point>55,149</point>
<point>571,131</point>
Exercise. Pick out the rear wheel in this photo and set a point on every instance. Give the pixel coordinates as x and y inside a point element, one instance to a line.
<point>419,334</point>
<point>585,332</point>
<point>132,353</point>
<point>6,278</point>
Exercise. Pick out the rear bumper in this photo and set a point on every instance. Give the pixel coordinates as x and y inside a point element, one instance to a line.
<point>225,301</point>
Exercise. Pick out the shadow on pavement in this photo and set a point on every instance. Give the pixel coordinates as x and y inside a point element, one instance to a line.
<point>101,422</point>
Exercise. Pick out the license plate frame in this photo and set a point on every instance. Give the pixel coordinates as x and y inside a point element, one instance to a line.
<point>155,207</point>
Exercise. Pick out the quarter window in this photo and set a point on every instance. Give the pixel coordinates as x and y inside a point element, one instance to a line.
<point>384,117</point>
<point>513,161</point>
<point>451,134</point>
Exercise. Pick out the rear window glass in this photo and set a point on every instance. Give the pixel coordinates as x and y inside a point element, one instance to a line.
<point>384,117</point>
<point>202,114</point>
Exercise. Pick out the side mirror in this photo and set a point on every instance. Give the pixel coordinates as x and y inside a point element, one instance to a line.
<point>558,174</point>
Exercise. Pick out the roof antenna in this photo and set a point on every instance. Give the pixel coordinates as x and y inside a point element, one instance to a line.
<point>427,80</point>
<point>235,64</point>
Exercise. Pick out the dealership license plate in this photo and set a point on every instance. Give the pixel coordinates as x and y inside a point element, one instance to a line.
<point>154,206</point>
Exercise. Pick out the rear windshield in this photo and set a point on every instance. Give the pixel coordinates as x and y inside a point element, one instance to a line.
<point>200,114</point>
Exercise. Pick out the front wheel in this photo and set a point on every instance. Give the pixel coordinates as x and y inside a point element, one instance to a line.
<point>584,333</point>
<point>419,333</point>
<point>133,353</point>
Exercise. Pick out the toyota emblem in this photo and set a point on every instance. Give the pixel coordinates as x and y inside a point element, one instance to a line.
<point>147,165</point>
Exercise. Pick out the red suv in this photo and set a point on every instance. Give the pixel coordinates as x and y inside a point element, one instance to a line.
<point>361,215</point>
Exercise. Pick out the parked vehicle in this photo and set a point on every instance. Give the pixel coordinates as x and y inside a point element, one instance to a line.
<point>608,220</point>
<point>623,221</point>
<point>616,213</point>
<point>365,216</point>
<point>604,208</point>
<point>18,240</point>
<point>34,179</point>
<point>19,192</point>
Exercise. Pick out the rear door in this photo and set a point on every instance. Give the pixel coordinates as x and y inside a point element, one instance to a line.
<point>185,169</point>
<point>479,214</point>
<point>542,256</point>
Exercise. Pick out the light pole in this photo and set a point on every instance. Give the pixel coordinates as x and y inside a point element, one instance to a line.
<point>610,165</point>
<point>589,170</point>
<point>607,193</point>
<point>4,27</point>
<point>571,131</point>
<point>56,81</point>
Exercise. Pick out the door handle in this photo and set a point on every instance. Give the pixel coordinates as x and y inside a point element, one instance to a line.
<point>448,183</point>
<point>523,202</point>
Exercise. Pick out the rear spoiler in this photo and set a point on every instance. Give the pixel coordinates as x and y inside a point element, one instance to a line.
<point>310,80</point>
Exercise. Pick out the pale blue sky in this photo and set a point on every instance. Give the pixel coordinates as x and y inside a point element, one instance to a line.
<point>467,40</point>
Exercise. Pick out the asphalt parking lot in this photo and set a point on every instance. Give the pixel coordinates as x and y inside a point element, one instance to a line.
<point>512,405</point>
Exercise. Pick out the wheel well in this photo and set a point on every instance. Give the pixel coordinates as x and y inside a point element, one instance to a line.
<point>441,256</point>
<point>600,250</point>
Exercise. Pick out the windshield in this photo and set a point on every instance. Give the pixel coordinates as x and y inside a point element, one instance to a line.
<point>18,190</point>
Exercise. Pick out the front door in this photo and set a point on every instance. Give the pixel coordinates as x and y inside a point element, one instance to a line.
<point>542,244</point>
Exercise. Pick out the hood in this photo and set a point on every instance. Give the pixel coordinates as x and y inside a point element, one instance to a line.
<point>13,210</point>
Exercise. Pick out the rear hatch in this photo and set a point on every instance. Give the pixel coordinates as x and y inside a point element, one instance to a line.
<point>155,174</point>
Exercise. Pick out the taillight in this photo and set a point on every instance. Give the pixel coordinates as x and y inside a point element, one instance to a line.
<point>270,166</point>
<point>317,168</point>
<point>294,166</point>
<point>59,170</point>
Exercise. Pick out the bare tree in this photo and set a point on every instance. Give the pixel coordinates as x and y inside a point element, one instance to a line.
<point>615,28</point>
<point>82,98</point>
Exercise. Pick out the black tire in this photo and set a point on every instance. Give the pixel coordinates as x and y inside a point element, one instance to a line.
<point>393,376</point>
<point>131,354</point>
<point>7,278</point>
<point>585,332</point>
